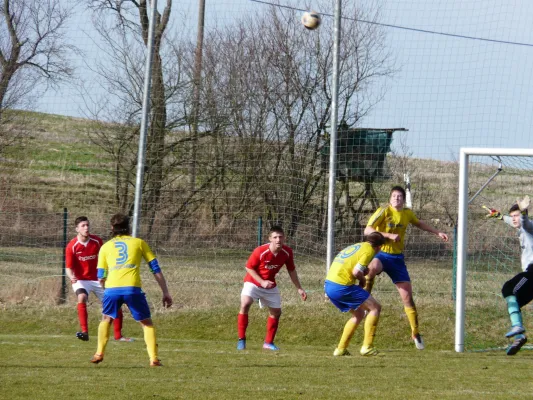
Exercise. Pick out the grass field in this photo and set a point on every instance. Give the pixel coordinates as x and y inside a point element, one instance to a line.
<point>41,358</point>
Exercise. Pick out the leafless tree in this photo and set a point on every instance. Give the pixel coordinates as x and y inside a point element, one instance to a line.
<point>123,26</point>
<point>33,50</point>
<point>267,91</point>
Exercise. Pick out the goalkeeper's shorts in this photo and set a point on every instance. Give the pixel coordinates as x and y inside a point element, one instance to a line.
<point>394,266</point>
<point>521,286</point>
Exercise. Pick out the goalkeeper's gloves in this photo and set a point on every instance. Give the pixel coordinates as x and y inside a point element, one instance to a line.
<point>493,213</point>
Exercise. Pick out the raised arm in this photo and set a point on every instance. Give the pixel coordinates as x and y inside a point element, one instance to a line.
<point>526,223</point>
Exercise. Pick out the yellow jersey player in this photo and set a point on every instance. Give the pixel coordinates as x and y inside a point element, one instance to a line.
<point>392,221</point>
<point>342,289</point>
<point>119,264</point>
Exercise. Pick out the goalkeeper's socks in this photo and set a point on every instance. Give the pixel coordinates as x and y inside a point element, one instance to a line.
<point>347,334</point>
<point>103,336</point>
<point>514,311</point>
<point>82,316</point>
<point>412,316</point>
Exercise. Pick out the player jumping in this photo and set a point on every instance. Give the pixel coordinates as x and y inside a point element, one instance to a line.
<point>518,291</point>
<point>392,221</point>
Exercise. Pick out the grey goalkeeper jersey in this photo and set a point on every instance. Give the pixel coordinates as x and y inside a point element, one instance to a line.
<point>525,234</point>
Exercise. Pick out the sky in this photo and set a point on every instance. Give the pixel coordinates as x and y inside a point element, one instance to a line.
<point>451,90</point>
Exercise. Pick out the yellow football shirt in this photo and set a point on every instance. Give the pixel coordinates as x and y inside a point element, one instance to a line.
<point>120,258</point>
<point>388,220</point>
<point>342,266</point>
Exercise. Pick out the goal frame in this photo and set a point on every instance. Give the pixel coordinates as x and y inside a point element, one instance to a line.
<point>462,232</point>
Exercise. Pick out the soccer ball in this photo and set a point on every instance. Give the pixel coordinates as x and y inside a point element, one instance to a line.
<point>311,20</point>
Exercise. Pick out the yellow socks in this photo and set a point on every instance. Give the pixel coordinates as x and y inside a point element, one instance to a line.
<point>347,334</point>
<point>103,336</point>
<point>371,323</point>
<point>369,285</point>
<point>149,339</point>
<point>412,316</point>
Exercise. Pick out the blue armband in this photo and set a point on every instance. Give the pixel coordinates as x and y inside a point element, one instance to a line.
<point>101,273</point>
<point>154,266</point>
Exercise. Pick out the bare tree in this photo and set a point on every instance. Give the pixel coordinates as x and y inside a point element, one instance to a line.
<point>33,49</point>
<point>123,26</point>
<point>267,89</point>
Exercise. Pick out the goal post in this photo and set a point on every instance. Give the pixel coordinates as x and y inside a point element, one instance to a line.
<point>520,163</point>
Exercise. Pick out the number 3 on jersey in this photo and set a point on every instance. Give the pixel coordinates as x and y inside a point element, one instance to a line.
<point>122,252</point>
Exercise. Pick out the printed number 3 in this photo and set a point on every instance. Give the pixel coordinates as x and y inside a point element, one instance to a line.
<point>122,252</point>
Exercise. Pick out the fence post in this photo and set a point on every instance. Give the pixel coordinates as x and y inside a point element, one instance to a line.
<point>63,293</point>
<point>259,231</point>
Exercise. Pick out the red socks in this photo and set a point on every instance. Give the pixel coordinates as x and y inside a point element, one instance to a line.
<point>272,328</point>
<point>117,325</point>
<point>82,316</point>
<point>242,324</point>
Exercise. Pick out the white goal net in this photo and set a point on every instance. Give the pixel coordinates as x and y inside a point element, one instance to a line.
<point>488,251</point>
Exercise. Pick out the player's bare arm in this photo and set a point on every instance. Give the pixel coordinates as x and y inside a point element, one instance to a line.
<point>296,281</point>
<point>359,273</point>
<point>161,281</point>
<point>265,284</point>
<point>391,236</point>
<point>428,228</point>
<point>71,275</point>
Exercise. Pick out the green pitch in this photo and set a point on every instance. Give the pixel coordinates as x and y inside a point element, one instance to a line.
<point>41,358</point>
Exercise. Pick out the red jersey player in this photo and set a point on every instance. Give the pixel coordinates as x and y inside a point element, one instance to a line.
<point>260,284</point>
<point>81,260</point>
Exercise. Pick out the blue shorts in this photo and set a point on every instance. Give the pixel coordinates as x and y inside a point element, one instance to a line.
<point>136,303</point>
<point>345,298</point>
<point>394,266</point>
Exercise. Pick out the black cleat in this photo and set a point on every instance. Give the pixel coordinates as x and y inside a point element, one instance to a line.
<point>516,345</point>
<point>83,336</point>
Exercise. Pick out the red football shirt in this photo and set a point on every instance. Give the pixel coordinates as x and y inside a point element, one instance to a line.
<point>267,264</point>
<point>82,258</point>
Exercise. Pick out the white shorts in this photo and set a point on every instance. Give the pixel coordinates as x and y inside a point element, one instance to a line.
<point>89,286</point>
<point>267,297</point>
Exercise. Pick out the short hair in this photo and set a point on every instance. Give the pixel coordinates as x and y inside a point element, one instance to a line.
<point>515,207</point>
<point>120,225</point>
<point>80,219</point>
<point>397,189</point>
<point>375,239</point>
<point>276,229</point>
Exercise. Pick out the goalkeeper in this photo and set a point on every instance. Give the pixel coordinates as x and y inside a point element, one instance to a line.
<point>518,291</point>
